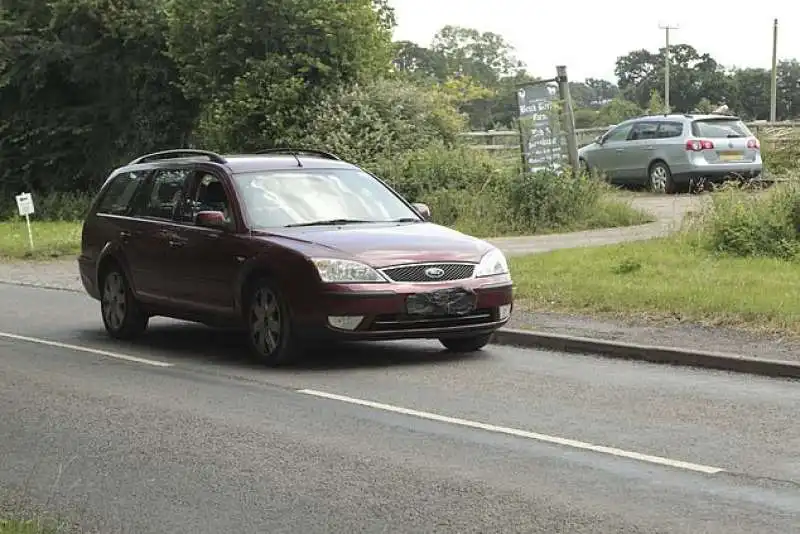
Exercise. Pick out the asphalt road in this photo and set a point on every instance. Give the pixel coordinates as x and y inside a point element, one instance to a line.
<point>179,433</point>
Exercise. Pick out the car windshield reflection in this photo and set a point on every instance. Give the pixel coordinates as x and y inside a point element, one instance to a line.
<point>318,197</point>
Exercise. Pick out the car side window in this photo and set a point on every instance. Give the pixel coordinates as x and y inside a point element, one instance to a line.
<point>670,129</point>
<point>121,193</point>
<point>207,194</point>
<point>644,130</point>
<point>166,194</point>
<point>620,133</point>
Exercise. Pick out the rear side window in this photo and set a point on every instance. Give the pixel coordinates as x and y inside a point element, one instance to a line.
<point>670,129</point>
<point>121,192</point>
<point>720,128</point>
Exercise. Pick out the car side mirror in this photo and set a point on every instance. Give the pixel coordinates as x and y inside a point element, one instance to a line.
<point>423,210</point>
<point>599,140</point>
<point>211,219</point>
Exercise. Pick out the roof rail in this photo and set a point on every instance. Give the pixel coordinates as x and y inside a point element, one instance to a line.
<point>178,153</point>
<point>296,151</point>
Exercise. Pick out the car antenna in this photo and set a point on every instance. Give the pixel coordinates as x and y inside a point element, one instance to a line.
<point>299,163</point>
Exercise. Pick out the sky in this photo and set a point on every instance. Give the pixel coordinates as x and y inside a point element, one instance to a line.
<point>587,36</point>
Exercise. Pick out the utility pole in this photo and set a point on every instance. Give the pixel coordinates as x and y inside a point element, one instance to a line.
<point>666,28</point>
<point>773,97</point>
<point>568,118</point>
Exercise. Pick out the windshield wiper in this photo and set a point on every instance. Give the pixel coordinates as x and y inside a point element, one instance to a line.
<point>405,219</point>
<point>329,222</point>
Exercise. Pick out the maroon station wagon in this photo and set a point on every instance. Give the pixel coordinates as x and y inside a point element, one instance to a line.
<point>295,246</point>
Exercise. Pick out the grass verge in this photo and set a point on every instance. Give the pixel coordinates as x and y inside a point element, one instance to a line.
<point>673,278</point>
<point>51,239</point>
<point>29,526</point>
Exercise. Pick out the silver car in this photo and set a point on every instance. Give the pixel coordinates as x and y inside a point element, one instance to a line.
<point>670,153</point>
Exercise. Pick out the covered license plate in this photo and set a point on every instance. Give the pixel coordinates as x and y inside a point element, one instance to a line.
<point>450,301</point>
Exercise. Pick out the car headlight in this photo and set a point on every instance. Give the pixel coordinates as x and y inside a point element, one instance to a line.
<point>338,271</point>
<point>493,263</point>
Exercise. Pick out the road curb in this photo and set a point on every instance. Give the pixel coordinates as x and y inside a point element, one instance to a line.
<point>649,353</point>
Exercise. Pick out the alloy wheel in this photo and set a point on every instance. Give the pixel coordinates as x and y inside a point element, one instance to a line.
<point>658,179</point>
<point>114,301</point>
<point>265,321</point>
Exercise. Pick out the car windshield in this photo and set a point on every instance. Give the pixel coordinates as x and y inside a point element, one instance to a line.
<point>720,128</point>
<point>318,196</point>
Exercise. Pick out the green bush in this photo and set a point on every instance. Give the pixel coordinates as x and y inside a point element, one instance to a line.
<point>51,207</point>
<point>382,119</point>
<point>781,156</point>
<point>740,222</point>
<point>486,196</point>
<point>416,173</point>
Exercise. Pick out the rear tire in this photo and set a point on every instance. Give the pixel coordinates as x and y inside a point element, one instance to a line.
<point>269,327</point>
<point>123,317</point>
<point>466,344</point>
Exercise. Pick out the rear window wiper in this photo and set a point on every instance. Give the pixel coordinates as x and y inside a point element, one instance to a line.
<point>329,222</point>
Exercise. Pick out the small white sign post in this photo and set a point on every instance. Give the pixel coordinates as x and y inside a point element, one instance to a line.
<point>25,207</point>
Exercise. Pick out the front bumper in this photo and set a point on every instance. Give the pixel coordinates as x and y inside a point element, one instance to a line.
<point>384,317</point>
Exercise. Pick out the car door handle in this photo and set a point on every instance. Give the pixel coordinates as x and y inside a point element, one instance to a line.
<point>620,149</point>
<point>176,243</point>
<point>125,234</point>
<point>650,148</point>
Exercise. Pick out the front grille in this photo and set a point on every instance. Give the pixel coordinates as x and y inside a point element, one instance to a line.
<point>399,321</point>
<point>416,273</point>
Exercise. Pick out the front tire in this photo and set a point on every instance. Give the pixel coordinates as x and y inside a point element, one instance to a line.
<point>466,344</point>
<point>123,317</point>
<point>269,326</point>
<point>660,179</point>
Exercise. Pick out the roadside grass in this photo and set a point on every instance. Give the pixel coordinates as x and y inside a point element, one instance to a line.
<point>673,278</point>
<point>29,526</point>
<point>51,239</point>
<point>486,220</point>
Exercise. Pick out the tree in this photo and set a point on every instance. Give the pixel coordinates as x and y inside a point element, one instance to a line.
<point>750,90</point>
<point>692,77</point>
<point>616,111</point>
<point>486,57</point>
<point>260,68</point>
<point>656,104</point>
<point>417,62</point>
<point>788,102</point>
<point>84,84</point>
<point>603,91</point>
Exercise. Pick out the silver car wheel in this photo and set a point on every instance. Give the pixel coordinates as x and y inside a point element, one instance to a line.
<point>658,179</point>
<point>265,321</point>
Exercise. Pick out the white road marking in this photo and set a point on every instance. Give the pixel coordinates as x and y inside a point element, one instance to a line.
<point>89,350</point>
<point>518,433</point>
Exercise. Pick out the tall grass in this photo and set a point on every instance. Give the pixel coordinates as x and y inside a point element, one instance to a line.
<point>487,196</point>
<point>743,222</point>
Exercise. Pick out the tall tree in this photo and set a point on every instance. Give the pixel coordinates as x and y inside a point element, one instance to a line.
<point>692,76</point>
<point>260,67</point>
<point>84,84</point>
<point>486,56</point>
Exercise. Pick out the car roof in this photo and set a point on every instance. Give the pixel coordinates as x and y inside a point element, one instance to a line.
<point>239,163</point>
<point>680,117</point>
